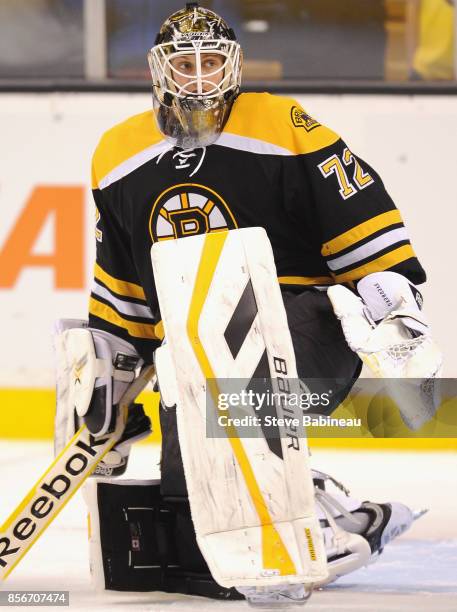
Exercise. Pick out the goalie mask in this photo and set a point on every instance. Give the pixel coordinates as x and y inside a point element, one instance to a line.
<point>196,73</point>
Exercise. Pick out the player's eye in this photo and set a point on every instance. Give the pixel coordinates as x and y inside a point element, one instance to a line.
<point>186,67</point>
<point>211,65</point>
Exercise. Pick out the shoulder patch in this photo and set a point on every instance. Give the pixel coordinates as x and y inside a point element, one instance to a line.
<point>278,121</point>
<point>301,119</point>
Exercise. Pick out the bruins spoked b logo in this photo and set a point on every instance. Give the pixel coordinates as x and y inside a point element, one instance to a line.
<point>188,209</point>
<point>301,119</point>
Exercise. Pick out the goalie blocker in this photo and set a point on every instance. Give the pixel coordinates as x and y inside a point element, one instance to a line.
<point>94,370</point>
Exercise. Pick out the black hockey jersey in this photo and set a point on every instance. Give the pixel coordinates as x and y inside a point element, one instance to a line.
<point>326,212</point>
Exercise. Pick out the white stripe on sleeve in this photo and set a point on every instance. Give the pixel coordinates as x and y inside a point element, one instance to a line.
<point>368,249</point>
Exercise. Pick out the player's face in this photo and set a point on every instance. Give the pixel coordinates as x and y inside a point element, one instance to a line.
<point>185,71</point>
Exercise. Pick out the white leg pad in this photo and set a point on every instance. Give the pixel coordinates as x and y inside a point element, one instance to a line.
<point>253,510</point>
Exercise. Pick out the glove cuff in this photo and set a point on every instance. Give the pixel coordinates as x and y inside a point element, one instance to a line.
<point>385,292</point>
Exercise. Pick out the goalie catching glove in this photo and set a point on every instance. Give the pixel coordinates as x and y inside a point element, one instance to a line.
<point>94,370</point>
<point>386,327</point>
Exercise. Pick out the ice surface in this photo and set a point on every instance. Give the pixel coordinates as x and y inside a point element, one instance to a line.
<point>414,573</point>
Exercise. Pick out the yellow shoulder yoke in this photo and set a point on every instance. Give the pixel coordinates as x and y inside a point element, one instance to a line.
<point>122,142</point>
<point>279,121</point>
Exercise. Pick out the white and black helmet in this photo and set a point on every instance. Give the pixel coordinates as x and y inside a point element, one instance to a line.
<point>192,106</point>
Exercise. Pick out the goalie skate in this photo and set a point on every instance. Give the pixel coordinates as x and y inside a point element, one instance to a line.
<point>355,534</point>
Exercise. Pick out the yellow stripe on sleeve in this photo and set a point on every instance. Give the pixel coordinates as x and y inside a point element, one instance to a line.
<point>119,286</point>
<point>378,265</point>
<point>136,330</point>
<point>361,231</point>
<point>306,280</point>
<point>159,330</point>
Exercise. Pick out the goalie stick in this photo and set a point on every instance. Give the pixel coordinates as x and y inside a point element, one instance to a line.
<point>59,483</point>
